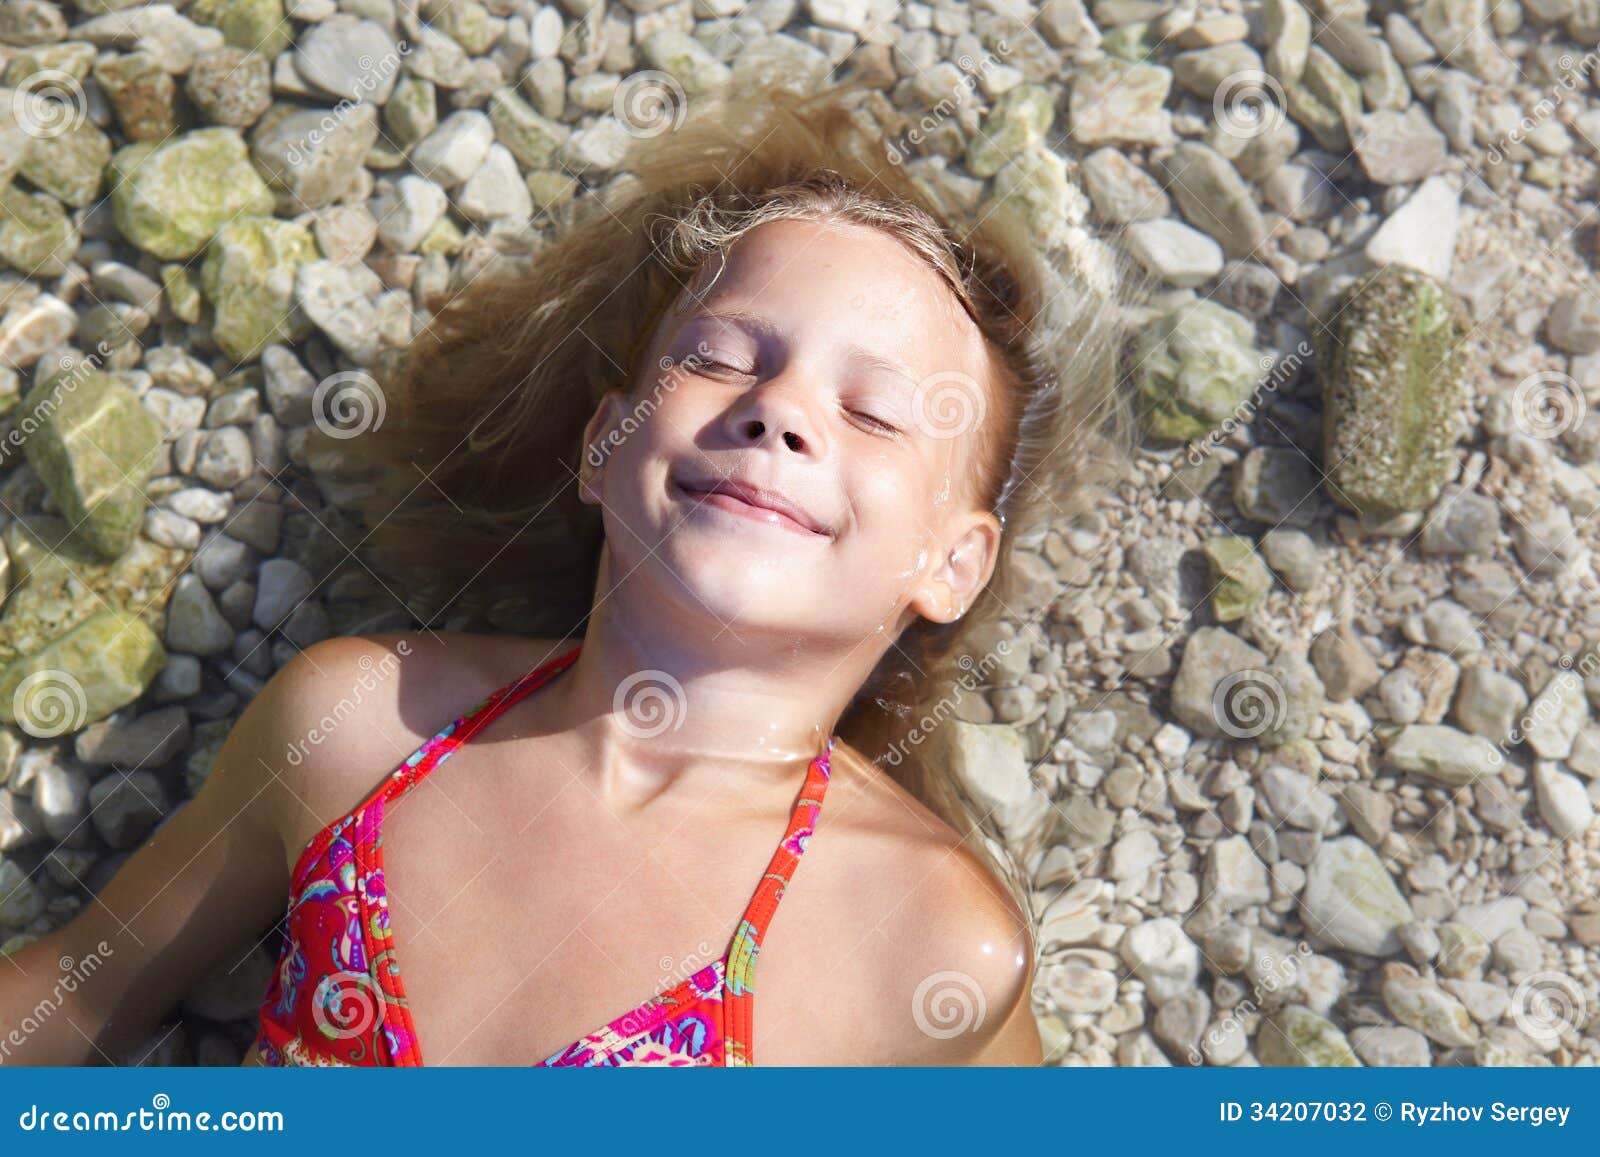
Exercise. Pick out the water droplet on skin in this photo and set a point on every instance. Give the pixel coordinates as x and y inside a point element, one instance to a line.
<point>916,568</point>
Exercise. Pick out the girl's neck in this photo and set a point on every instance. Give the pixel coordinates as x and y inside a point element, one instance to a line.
<point>653,698</point>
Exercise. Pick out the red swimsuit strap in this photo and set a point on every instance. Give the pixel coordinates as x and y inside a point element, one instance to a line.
<point>435,751</point>
<point>480,715</point>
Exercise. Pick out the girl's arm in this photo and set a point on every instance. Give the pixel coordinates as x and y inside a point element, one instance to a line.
<point>967,978</point>
<point>192,900</point>
<point>1017,1042</point>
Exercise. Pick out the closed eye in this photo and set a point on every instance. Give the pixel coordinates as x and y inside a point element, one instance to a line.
<point>703,363</point>
<point>874,421</point>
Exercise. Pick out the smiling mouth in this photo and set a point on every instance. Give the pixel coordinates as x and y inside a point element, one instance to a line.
<point>739,506</point>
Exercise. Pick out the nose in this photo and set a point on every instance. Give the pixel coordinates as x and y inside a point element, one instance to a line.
<point>771,413</point>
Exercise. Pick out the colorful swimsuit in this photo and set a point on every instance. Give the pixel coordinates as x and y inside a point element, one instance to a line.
<point>336,996</point>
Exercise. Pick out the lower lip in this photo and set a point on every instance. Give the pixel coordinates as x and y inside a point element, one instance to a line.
<point>743,509</point>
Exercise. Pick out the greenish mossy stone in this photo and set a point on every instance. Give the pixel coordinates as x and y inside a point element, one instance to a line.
<point>170,199</point>
<point>1020,122</point>
<point>93,446</point>
<point>51,571</point>
<point>248,277</point>
<point>1239,579</point>
<point>1195,366</point>
<point>103,663</point>
<point>37,237</point>
<point>1393,391</point>
<point>253,25</point>
<point>70,165</point>
<point>1296,1036</point>
<point>530,138</point>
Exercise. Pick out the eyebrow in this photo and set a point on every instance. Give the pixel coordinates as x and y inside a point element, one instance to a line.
<point>769,328</point>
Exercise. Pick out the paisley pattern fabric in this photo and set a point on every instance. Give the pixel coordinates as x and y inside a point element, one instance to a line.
<point>336,996</point>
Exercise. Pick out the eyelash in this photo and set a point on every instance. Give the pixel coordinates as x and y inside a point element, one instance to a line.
<point>702,364</point>
<point>877,422</point>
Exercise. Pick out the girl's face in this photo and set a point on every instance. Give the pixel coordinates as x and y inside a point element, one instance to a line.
<point>799,456</point>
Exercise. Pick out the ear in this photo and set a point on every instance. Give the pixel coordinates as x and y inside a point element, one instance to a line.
<point>954,583</point>
<point>598,444</point>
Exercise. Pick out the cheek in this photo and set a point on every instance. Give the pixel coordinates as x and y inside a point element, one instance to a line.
<point>915,488</point>
<point>654,423</point>
<point>894,501</point>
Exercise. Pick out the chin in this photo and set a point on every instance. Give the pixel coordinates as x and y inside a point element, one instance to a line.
<point>737,583</point>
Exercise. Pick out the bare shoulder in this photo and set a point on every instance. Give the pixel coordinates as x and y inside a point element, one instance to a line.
<point>342,714</point>
<point>950,970</point>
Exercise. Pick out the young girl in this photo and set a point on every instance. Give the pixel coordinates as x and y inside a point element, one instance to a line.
<point>754,439</point>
